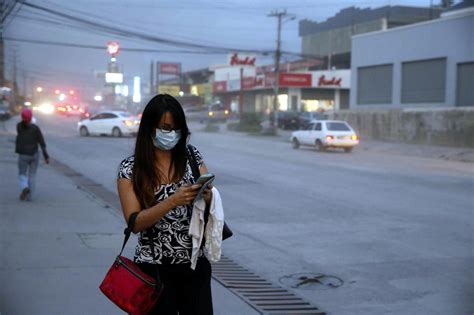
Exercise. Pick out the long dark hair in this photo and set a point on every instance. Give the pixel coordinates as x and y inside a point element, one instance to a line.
<point>145,175</point>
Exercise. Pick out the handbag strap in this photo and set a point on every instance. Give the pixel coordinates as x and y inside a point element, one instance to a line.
<point>128,231</point>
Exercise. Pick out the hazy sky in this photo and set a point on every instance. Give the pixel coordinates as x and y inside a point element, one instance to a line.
<point>229,23</point>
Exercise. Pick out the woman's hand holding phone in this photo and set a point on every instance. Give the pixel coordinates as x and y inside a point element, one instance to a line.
<point>185,195</point>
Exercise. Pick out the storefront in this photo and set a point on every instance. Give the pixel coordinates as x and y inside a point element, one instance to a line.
<point>243,83</point>
<point>302,91</point>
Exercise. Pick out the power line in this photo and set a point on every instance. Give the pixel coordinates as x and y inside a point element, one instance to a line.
<point>124,32</point>
<point>97,47</point>
<point>139,50</point>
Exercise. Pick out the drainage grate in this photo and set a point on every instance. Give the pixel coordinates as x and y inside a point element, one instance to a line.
<point>262,295</point>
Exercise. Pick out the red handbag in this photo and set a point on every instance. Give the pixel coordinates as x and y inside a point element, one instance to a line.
<point>127,285</point>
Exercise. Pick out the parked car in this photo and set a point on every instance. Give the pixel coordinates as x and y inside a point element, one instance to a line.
<point>287,120</point>
<point>217,112</point>
<point>304,118</point>
<point>325,134</point>
<point>195,114</point>
<point>114,123</point>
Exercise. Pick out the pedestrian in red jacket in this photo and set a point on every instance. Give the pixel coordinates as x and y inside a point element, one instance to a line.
<point>28,137</point>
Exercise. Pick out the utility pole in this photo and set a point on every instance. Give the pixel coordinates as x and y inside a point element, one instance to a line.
<point>6,7</point>
<point>276,87</point>
<point>2,54</point>
<point>152,79</point>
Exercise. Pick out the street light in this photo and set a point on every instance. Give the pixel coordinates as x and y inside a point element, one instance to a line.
<point>39,89</point>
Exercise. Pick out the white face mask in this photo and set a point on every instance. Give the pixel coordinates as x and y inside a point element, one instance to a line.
<point>166,140</point>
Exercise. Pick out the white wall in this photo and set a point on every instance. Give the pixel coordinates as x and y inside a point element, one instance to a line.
<point>451,37</point>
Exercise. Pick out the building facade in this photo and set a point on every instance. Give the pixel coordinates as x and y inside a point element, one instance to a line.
<point>429,64</point>
<point>331,39</point>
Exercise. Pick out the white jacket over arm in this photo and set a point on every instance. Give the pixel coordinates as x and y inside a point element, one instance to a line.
<point>213,229</point>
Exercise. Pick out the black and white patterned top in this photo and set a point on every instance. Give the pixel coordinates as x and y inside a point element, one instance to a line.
<point>171,239</point>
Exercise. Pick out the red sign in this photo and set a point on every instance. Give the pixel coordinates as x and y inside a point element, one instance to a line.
<point>245,61</point>
<point>219,86</point>
<point>295,79</point>
<point>113,48</point>
<point>322,81</point>
<point>170,68</point>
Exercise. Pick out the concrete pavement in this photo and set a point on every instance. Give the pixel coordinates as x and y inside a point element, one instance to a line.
<point>56,249</point>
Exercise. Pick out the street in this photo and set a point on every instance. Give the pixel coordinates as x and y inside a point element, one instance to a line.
<point>397,230</point>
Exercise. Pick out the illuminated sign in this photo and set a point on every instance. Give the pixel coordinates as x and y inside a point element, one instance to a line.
<point>295,79</point>
<point>113,48</point>
<point>172,90</point>
<point>137,94</point>
<point>113,77</point>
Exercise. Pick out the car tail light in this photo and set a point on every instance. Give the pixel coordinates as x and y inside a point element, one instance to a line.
<point>354,137</point>
<point>329,138</point>
<point>81,110</point>
<point>88,115</point>
<point>128,123</point>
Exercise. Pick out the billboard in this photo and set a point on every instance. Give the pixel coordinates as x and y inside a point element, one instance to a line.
<point>170,68</point>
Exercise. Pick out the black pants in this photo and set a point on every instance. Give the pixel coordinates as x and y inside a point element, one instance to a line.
<point>186,291</point>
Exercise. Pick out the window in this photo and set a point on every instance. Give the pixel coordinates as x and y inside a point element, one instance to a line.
<point>374,85</point>
<point>98,116</point>
<point>424,81</point>
<point>310,127</point>
<point>465,88</point>
<point>318,127</point>
<point>109,116</point>
<point>337,126</point>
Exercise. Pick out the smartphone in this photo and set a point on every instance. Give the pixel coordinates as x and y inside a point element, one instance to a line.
<point>205,180</point>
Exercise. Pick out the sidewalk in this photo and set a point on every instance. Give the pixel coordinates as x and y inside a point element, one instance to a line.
<point>56,249</point>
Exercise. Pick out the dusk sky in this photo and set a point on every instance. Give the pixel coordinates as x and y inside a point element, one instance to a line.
<point>242,24</point>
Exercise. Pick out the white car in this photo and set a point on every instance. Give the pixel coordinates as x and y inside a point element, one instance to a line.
<point>325,134</point>
<point>114,123</point>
